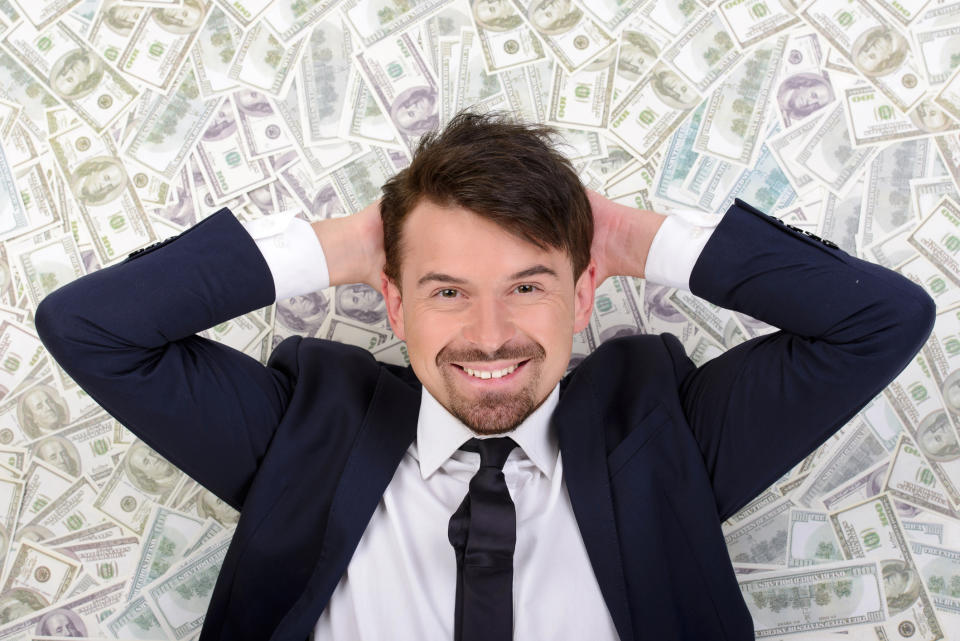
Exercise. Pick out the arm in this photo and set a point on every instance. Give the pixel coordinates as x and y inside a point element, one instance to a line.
<point>127,335</point>
<point>847,328</point>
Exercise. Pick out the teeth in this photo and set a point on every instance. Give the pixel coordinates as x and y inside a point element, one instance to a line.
<point>495,374</point>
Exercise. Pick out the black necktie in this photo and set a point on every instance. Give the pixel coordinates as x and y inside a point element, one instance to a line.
<point>483,532</point>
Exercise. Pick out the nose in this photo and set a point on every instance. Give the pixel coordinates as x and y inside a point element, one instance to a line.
<point>490,325</point>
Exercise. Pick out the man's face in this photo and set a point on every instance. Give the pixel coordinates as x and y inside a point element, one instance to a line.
<point>491,319</point>
<point>417,108</point>
<point>805,97</point>
<point>149,463</point>
<point>56,454</point>
<point>102,181</point>
<point>875,53</point>
<point>549,11</point>
<point>72,75</point>
<point>938,438</point>
<point>895,583</point>
<point>489,10</point>
<point>42,409</point>
<point>60,625</point>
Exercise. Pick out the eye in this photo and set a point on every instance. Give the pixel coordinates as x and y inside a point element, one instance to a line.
<point>443,292</point>
<point>532,288</point>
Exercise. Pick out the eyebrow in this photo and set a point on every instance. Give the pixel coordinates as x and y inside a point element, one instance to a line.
<point>536,270</point>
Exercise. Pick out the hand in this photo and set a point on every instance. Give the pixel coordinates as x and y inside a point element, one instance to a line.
<point>369,228</point>
<point>621,237</point>
<point>353,246</point>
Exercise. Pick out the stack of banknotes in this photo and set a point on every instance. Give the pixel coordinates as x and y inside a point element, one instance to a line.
<point>125,122</point>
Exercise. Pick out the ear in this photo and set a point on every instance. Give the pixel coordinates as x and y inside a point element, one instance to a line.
<point>391,294</point>
<point>583,293</point>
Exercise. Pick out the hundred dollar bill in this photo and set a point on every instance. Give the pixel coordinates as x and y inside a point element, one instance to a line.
<point>939,48</point>
<point>159,43</point>
<point>289,18</point>
<point>876,48</point>
<point>358,182</point>
<point>263,62</point>
<point>448,52</point>
<point>49,266</point>
<point>872,531</point>
<point>70,511</point>
<point>135,619</point>
<point>821,598</point>
<point>704,52</point>
<point>219,152</point>
<point>716,322</point>
<point>617,312</point>
<point>652,110</point>
<point>246,12</point>
<point>206,504</point>
<point>828,153</point>
<point>910,479</point>
<point>86,447</point>
<point>670,17</point>
<point>13,214</point>
<point>761,540</point>
<point>874,119</point>
<point>583,99</point>
<point>855,449</point>
<point>611,14</point>
<point>107,559</point>
<point>506,39</point>
<point>752,21</point>
<point>938,238</point>
<point>940,569</point>
<point>403,85</point>
<point>213,51</point>
<point>73,71</point>
<point>914,396</point>
<point>571,35</point>
<point>261,127</point>
<point>361,118</point>
<point>37,568</point>
<point>180,597</point>
<point>375,20</point>
<point>638,50</point>
<point>141,479</point>
<point>906,11</point>
<point>78,616</point>
<point>885,209</point>
<point>324,74</point>
<point>949,96</point>
<point>923,272</point>
<point>41,14</point>
<point>110,30</point>
<point>475,88</point>
<point>736,111</point>
<point>42,484</point>
<point>802,88</point>
<point>171,127</point>
<point>166,537</point>
<point>810,539</point>
<point>103,194</point>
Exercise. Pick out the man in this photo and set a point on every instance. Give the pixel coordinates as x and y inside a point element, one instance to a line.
<point>487,250</point>
<point>76,74</point>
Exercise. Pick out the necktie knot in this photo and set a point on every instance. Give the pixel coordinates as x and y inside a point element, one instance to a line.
<point>493,451</point>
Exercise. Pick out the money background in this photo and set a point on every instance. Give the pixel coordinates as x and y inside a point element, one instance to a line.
<point>124,123</point>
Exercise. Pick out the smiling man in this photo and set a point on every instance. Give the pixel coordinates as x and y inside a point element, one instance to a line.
<point>487,490</point>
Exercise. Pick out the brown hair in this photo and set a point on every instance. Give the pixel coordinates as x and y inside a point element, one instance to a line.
<point>505,171</point>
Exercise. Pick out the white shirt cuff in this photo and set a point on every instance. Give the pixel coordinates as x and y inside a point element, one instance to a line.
<point>292,251</point>
<point>677,246</point>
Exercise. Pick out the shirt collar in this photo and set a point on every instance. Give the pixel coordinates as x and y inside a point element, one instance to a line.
<point>440,434</point>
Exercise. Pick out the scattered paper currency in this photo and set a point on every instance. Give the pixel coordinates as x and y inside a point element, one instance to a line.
<point>123,122</point>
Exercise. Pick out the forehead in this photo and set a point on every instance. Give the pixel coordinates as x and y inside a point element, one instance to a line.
<point>461,243</point>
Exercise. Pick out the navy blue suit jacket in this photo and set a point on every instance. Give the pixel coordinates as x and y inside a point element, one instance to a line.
<point>657,452</point>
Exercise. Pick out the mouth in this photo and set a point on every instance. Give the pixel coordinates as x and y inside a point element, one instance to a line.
<point>490,378</point>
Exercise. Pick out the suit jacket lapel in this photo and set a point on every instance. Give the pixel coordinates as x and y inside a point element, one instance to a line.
<point>584,455</point>
<point>387,432</point>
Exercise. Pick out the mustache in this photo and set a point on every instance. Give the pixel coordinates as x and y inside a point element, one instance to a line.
<point>504,353</point>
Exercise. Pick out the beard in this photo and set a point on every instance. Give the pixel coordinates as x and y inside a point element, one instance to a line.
<point>494,412</point>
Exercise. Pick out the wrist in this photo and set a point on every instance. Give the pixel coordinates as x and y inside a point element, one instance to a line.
<point>632,246</point>
<point>339,249</point>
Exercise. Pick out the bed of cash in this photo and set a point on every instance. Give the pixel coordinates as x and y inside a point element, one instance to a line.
<point>124,123</point>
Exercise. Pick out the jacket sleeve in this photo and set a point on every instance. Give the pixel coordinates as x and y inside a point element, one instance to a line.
<point>126,335</point>
<point>847,327</point>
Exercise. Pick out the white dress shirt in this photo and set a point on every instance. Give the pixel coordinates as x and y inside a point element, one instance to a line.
<point>401,581</point>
